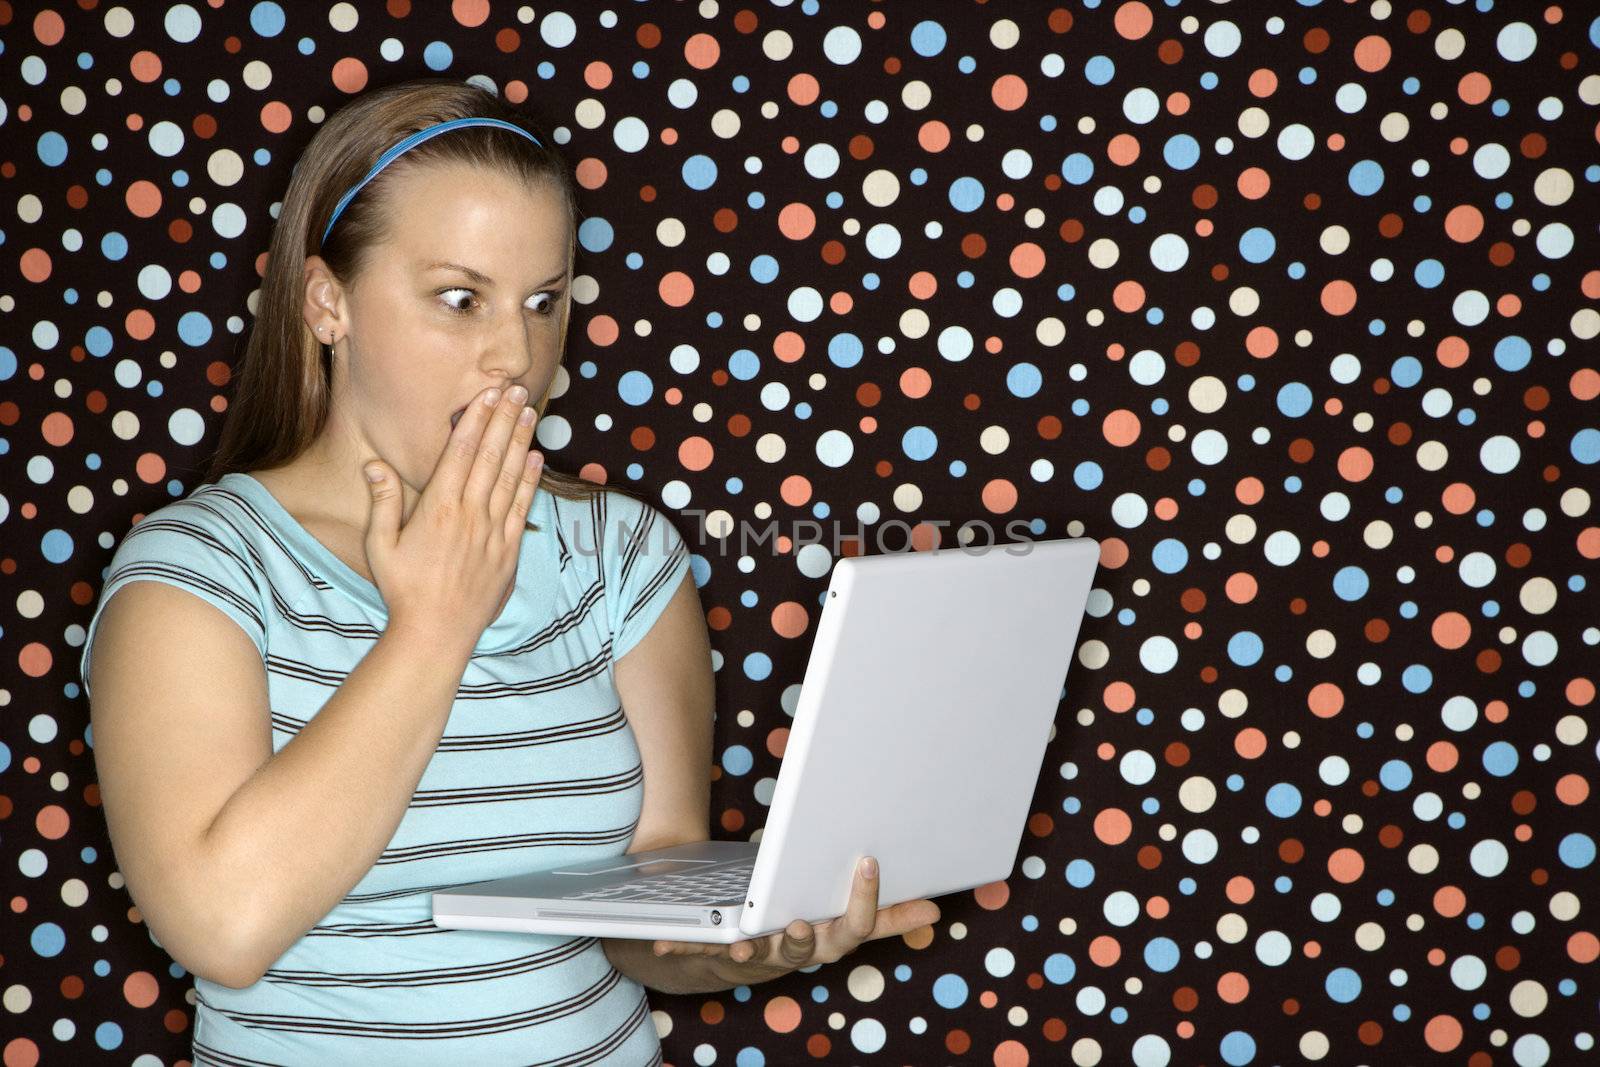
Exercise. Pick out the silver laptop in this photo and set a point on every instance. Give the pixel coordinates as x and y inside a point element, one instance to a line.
<point>918,737</point>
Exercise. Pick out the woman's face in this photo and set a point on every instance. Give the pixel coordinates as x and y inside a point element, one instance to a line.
<point>420,340</point>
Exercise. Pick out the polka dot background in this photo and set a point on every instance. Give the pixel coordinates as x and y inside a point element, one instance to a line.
<point>1291,307</point>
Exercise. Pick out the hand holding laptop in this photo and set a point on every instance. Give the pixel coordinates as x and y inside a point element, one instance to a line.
<point>801,944</point>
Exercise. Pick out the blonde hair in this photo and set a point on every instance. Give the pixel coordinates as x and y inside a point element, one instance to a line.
<point>283,391</point>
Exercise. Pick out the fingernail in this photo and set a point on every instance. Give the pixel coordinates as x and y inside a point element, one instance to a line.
<point>491,398</point>
<point>869,867</point>
<point>518,394</point>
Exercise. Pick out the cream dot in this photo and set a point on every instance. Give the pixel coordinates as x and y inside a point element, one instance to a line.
<point>257,75</point>
<point>1085,1052</point>
<point>1529,998</point>
<point>1423,859</point>
<point>671,232</point>
<point>343,17</point>
<point>590,113</point>
<point>865,983</point>
<point>1207,394</point>
<point>916,95</point>
<point>225,167</point>
<point>1094,654</point>
<point>1314,1044</point>
<point>1537,595</point>
<point>1232,928</point>
<point>1565,906</point>
<point>726,123</point>
<point>994,439</point>
<point>778,45</point>
<point>880,188</point>
<point>119,22</point>
<point>1197,794</point>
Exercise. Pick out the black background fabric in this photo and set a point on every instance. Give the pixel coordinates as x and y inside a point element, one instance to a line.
<point>1365,625</point>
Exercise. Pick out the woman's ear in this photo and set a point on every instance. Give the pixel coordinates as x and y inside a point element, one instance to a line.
<point>322,297</point>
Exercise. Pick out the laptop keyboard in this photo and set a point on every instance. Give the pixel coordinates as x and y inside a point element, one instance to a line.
<point>722,884</point>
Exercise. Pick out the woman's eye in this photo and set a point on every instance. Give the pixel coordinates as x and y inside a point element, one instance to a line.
<point>457,310</point>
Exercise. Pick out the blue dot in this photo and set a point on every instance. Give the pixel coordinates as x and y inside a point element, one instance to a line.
<point>1350,583</point>
<point>1169,555</point>
<point>635,388</point>
<point>1024,380</point>
<point>1294,399</point>
<point>737,760</point>
<point>699,172</point>
<point>1059,968</point>
<point>595,234</point>
<point>1343,984</point>
<point>1283,800</point>
<point>108,1035</point>
<point>927,38</point>
<point>1586,445</point>
<point>744,365</point>
<point>1080,872</point>
<point>1181,151</point>
<point>1576,850</point>
<point>1237,1048</point>
<point>48,939</point>
<point>1395,775</point>
<point>1512,353</point>
<point>194,328</point>
<point>1077,169</point>
<point>1257,244</point>
<point>845,350</point>
<point>1500,758</point>
<point>52,149</point>
<point>1366,177</point>
<point>1161,954</point>
<point>267,19</point>
<point>1244,648</point>
<point>56,546</point>
<point>966,194</point>
<point>436,55</point>
<point>919,443</point>
<point>1416,678</point>
<point>950,991</point>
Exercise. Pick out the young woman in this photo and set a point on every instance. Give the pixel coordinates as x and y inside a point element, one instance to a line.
<point>316,699</point>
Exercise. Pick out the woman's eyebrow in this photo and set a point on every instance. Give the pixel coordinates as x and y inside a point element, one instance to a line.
<point>482,278</point>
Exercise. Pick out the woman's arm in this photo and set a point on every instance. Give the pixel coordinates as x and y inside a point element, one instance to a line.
<point>231,851</point>
<point>668,694</point>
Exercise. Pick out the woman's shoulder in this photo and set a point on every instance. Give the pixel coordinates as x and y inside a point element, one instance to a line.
<point>206,532</point>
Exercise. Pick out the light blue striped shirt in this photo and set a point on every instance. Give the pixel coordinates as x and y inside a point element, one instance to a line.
<point>537,767</point>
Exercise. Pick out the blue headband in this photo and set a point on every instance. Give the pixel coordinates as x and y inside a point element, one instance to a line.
<point>411,141</point>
